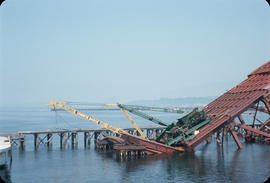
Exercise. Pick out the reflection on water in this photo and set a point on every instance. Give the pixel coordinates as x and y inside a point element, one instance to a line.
<point>5,174</point>
<point>211,163</point>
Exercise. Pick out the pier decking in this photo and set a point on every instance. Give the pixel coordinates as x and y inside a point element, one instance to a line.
<point>46,137</point>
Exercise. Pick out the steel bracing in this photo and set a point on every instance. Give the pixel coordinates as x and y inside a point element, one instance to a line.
<point>251,93</point>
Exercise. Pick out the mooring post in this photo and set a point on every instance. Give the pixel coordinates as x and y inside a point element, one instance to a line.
<point>49,139</point>
<point>36,141</point>
<point>62,140</point>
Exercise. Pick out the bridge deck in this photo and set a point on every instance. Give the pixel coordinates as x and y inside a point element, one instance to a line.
<point>73,130</point>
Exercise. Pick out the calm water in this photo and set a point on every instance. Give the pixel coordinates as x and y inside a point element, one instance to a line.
<point>209,163</point>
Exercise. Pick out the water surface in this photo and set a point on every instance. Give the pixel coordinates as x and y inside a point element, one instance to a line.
<point>210,163</point>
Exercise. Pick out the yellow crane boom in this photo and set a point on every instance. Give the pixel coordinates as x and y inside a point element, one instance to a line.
<point>130,119</point>
<point>86,117</point>
<point>133,123</point>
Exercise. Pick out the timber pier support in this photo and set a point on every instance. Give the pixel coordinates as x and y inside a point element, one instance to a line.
<point>48,137</point>
<point>72,137</point>
<point>87,139</point>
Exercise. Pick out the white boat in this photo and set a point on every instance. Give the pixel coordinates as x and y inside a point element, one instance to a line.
<point>5,151</point>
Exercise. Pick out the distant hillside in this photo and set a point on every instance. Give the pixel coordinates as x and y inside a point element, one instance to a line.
<point>176,102</point>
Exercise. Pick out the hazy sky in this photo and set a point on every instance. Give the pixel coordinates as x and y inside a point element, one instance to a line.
<point>121,50</point>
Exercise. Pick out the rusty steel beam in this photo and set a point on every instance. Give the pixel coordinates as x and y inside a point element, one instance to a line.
<point>236,139</point>
<point>151,145</point>
<point>254,130</point>
<point>261,109</point>
<point>267,105</point>
<point>233,103</point>
<point>265,109</point>
<point>264,125</point>
<point>114,140</point>
<point>207,131</point>
<point>213,126</point>
<point>128,147</point>
<point>241,119</point>
<point>254,117</point>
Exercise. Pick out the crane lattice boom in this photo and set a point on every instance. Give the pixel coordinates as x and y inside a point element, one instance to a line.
<point>86,117</point>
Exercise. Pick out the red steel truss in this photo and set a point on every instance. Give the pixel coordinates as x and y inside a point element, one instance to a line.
<point>229,106</point>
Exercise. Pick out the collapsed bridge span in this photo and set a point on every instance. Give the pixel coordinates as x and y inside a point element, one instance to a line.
<point>251,93</point>
<point>224,113</point>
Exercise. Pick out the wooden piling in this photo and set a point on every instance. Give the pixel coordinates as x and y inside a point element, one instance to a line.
<point>36,141</point>
<point>22,142</point>
<point>218,137</point>
<point>74,139</point>
<point>87,139</point>
<point>157,133</point>
<point>222,140</point>
<point>47,135</point>
<point>96,134</point>
<point>49,139</point>
<point>63,140</point>
<point>208,141</point>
